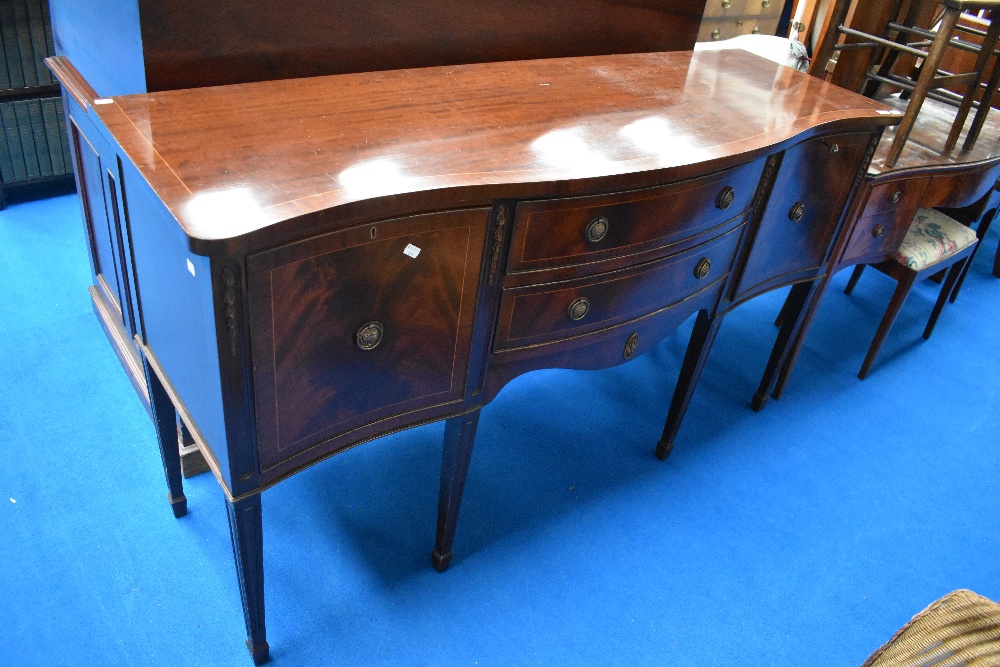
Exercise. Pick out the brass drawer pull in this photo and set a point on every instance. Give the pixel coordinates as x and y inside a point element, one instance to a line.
<point>369,336</point>
<point>726,4</point>
<point>797,212</point>
<point>895,197</point>
<point>878,231</point>
<point>578,309</point>
<point>630,345</point>
<point>833,146</point>
<point>725,198</point>
<point>597,229</point>
<point>702,268</point>
<point>716,34</point>
<point>756,30</point>
<point>765,4</point>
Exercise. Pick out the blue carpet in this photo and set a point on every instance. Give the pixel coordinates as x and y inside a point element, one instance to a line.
<point>802,535</point>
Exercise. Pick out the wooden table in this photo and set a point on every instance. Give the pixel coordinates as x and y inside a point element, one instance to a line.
<point>296,267</point>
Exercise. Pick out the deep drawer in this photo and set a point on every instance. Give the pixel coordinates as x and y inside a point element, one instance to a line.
<point>542,313</point>
<point>563,232</point>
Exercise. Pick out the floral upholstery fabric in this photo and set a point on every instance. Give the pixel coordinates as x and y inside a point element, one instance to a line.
<point>932,237</point>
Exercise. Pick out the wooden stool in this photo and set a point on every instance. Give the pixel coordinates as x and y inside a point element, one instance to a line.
<point>933,243</point>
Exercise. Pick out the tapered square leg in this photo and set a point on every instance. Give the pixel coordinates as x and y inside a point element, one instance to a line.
<point>246,531</point>
<point>895,303</point>
<point>794,310</point>
<point>165,422</point>
<point>459,436</point>
<point>949,286</point>
<point>705,330</point>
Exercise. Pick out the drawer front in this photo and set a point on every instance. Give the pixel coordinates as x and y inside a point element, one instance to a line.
<point>361,325</point>
<point>808,197</point>
<point>564,232</point>
<point>896,196</point>
<point>875,237</point>
<point>543,313</point>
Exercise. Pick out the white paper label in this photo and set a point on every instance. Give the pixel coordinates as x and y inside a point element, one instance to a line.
<point>103,100</point>
<point>411,250</point>
<point>190,267</point>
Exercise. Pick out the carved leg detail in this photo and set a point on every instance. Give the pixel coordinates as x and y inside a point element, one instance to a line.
<point>246,532</point>
<point>705,330</point>
<point>165,422</point>
<point>459,436</point>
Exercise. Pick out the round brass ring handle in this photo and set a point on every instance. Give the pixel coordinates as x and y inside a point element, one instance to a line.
<point>630,345</point>
<point>578,309</point>
<point>369,336</point>
<point>756,29</point>
<point>896,196</point>
<point>726,4</point>
<point>716,34</point>
<point>702,268</point>
<point>725,198</point>
<point>765,4</point>
<point>878,231</point>
<point>797,212</point>
<point>597,229</point>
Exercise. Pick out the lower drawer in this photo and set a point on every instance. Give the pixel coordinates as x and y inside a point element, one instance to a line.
<point>876,236</point>
<point>542,313</point>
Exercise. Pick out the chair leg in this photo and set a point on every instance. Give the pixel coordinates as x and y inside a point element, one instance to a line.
<point>989,42</point>
<point>996,263</point>
<point>946,290</point>
<point>984,106</point>
<point>855,276</point>
<point>895,303</point>
<point>948,21</point>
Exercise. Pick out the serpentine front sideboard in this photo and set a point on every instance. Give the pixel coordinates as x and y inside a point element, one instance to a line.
<point>298,266</point>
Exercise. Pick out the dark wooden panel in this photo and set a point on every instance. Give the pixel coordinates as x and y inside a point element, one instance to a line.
<point>312,379</point>
<point>190,43</point>
<point>555,233</point>
<point>539,314</point>
<point>103,254</point>
<point>818,175</point>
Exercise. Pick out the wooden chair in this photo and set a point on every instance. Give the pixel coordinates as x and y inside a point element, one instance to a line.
<point>933,243</point>
<point>904,36</point>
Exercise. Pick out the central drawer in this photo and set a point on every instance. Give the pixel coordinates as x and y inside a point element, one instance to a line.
<point>565,232</point>
<point>551,311</point>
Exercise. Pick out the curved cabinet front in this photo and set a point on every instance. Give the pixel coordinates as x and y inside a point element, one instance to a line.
<point>361,325</point>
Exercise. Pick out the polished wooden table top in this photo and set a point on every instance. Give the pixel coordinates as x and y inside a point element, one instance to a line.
<point>230,160</point>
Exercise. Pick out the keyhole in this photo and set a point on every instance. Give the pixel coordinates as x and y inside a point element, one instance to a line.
<point>374,233</point>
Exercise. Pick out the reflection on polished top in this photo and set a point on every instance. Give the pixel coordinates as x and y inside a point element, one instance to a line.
<point>232,159</point>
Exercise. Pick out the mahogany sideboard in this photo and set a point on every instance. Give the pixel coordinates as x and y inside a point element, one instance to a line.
<point>295,267</point>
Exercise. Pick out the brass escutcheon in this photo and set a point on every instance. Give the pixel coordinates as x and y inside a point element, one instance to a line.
<point>797,212</point>
<point>725,198</point>
<point>578,309</point>
<point>895,197</point>
<point>597,229</point>
<point>702,268</point>
<point>630,345</point>
<point>369,336</point>
<point>878,231</point>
